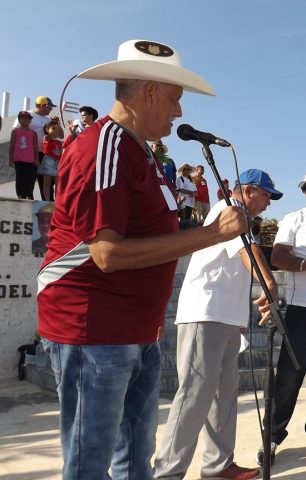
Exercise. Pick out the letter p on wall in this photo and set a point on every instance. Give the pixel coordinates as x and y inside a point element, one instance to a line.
<point>14,248</point>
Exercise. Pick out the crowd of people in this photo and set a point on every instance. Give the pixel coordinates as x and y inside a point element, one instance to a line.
<point>36,146</point>
<point>191,187</point>
<point>30,143</point>
<point>107,277</point>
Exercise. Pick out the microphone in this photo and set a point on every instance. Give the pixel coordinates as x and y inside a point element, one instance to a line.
<point>187,132</point>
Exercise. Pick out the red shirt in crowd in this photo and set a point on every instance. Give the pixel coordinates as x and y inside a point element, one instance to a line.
<point>202,188</point>
<point>53,148</point>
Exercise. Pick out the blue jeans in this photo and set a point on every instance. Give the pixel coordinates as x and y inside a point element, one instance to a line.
<point>108,408</point>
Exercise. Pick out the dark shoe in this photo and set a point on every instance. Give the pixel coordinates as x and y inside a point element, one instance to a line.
<point>260,454</point>
<point>233,472</point>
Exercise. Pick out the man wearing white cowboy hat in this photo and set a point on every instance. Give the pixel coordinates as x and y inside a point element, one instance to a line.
<point>187,192</point>
<point>107,275</point>
<point>289,254</point>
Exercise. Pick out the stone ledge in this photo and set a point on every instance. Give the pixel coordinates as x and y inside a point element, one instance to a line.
<point>40,376</point>
<point>44,378</point>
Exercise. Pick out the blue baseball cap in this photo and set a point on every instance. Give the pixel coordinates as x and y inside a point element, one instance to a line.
<point>262,179</point>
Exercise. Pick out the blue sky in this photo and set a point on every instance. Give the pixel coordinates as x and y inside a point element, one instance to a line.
<point>253,52</point>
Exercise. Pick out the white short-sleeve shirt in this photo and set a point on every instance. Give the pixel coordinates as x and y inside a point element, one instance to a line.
<point>185,183</point>
<point>292,232</point>
<point>216,286</point>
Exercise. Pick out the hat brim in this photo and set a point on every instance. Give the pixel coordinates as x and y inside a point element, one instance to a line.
<point>274,194</point>
<point>191,169</point>
<point>149,70</point>
<point>302,183</point>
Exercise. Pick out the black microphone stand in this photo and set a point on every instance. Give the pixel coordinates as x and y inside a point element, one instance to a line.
<point>275,321</point>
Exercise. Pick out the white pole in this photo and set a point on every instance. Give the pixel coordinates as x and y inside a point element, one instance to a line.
<point>26,103</point>
<point>5,104</point>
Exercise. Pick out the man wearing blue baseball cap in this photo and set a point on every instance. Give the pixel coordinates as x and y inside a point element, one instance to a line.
<point>217,286</point>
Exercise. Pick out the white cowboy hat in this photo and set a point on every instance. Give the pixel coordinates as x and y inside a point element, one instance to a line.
<point>186,166</point>
<point>146,60</point>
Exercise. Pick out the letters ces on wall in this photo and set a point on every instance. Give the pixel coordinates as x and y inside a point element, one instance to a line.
<point>34,236</point>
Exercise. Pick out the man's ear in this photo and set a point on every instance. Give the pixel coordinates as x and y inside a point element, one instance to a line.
<point>247,191</point>
<point>150,92</point>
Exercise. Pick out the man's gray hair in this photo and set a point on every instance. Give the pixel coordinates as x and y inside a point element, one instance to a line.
<point>126,89</point>
<point>237,187</point>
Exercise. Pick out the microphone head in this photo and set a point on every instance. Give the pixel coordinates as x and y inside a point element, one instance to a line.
<point>185,132</point>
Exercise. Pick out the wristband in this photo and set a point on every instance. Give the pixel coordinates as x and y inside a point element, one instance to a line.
<point>301,264</point>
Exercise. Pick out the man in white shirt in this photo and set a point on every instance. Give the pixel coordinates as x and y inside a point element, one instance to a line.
<point>187,192</point>
<point>289,254</point>
<point>213,306</point>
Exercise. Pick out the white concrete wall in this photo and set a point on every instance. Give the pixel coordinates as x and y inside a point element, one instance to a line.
<point>18,270</point>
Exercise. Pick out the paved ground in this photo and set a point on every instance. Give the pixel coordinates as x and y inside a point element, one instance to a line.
<point>30,449</point>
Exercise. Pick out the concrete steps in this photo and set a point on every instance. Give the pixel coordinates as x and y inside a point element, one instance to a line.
<point>169,382</point>
<point>44,376</point>
<point>41,376</point>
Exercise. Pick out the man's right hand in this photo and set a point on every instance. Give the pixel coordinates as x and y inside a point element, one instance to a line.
<point>230,223</point>
<point>72,128</point>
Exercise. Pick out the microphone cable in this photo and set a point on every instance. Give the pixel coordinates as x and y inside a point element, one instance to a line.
<point>62,98</point>
<point>251,305</point>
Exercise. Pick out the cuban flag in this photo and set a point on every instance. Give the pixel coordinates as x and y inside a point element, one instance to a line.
<point>71,107</point>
